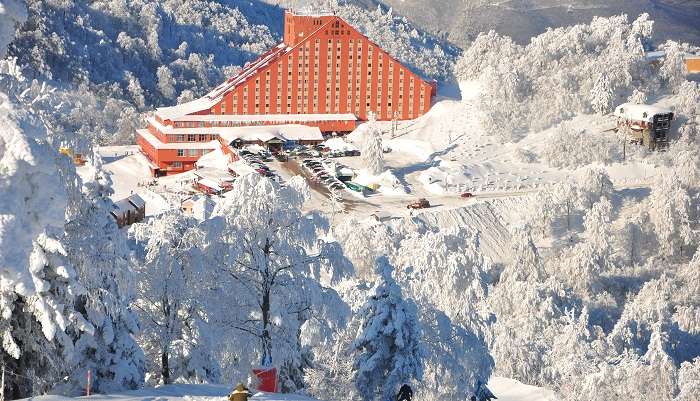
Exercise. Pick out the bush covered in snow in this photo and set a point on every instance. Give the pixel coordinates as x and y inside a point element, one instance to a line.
<point>572,148</point>
<point>563,72</point>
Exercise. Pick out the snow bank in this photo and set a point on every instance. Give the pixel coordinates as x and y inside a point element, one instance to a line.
<point>512,390</point>
<point>339,143</point>
<point>387,181</point>
<point>421,149</point>
<point>214,159</point>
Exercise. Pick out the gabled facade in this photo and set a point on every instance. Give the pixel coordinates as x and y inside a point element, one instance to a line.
<point>325,74</point>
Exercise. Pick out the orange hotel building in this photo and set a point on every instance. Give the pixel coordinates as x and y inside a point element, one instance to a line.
<point>325,74</point>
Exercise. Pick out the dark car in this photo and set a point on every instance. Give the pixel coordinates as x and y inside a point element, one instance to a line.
<point>466,195</point>
<point>421,203</point>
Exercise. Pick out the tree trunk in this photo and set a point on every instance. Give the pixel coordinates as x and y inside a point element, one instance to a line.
<point>165,367</point>
<point>265,338</point>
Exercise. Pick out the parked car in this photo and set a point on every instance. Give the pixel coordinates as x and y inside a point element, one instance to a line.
<point>337,185</point>
<point>421,203</point>
<point>466,195</point>
<point>354,186</point>
<point>336,153</point>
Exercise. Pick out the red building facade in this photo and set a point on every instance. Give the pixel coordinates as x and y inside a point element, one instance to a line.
<point>325,74</point>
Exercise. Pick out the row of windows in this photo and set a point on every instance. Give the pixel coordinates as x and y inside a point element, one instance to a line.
<point>188,124</point>
<point>191,137</point>
<point>191,152</point>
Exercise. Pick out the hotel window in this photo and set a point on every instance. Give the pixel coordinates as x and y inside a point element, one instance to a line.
<point>190,138</point>
<point>180,138</point>
<point>180,152</point>
<point>177,164</point>
<point>192,152</point>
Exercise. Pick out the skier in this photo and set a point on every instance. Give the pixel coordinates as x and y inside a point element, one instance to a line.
<point>405,393</point>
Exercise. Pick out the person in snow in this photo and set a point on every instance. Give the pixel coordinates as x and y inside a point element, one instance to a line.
<point>405,393</point>
<point>240,393</point>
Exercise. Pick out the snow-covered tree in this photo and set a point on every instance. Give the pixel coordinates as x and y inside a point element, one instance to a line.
<point>133,86</point>
<point>12,13</point>
<point>689,380</point>
<point>39,284</point>
<point>372,150</point>
<point>637,97</point>
<point>602,95</point>
<point>166,82</point>
<point>594,185</point>
<point>673,69</point>
<point>270,254</point>
<point>455,359</point>
<point>670,211</point>
<point>388,347</point>
<point>98,250</point>
<point>169,285</point>
<point>432,263</point>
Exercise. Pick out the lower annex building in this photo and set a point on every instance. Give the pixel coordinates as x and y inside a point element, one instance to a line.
<point>324,74</point>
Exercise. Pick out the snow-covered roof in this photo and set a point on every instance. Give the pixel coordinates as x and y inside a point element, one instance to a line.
<point>241,167</point>
<point>194,106</point>
<point>311,12</point>
<point>289,132</point>
<point>282,118</point>
<point>158,144</point>
<point>655,55</point>
<point>639,112</point>
<point>214,174</point>
<point>137,201</point>
<point>123,206</point>
<point>209,183</point>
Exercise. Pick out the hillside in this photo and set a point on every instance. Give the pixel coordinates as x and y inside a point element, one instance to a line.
<point>460,21</point>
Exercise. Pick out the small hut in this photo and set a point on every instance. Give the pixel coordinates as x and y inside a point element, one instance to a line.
<point>129,210</point>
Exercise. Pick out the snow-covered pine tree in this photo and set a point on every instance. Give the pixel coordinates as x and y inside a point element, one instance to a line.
<point>372,150</point>
<point>388,352</point>
<point>602,95</point>
<point>39,285</point>
<point>98,250</point>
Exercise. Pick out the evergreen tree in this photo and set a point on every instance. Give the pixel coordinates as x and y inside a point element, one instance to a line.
<point>388,349</point>
<point>372,150</point>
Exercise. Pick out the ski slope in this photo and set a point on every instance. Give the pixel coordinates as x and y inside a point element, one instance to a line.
<point>504,389</point>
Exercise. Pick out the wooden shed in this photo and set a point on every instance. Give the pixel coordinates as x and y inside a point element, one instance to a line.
<point>129,210</point>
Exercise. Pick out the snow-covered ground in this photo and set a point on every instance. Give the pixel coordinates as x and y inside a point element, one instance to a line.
<point>504,389</point>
